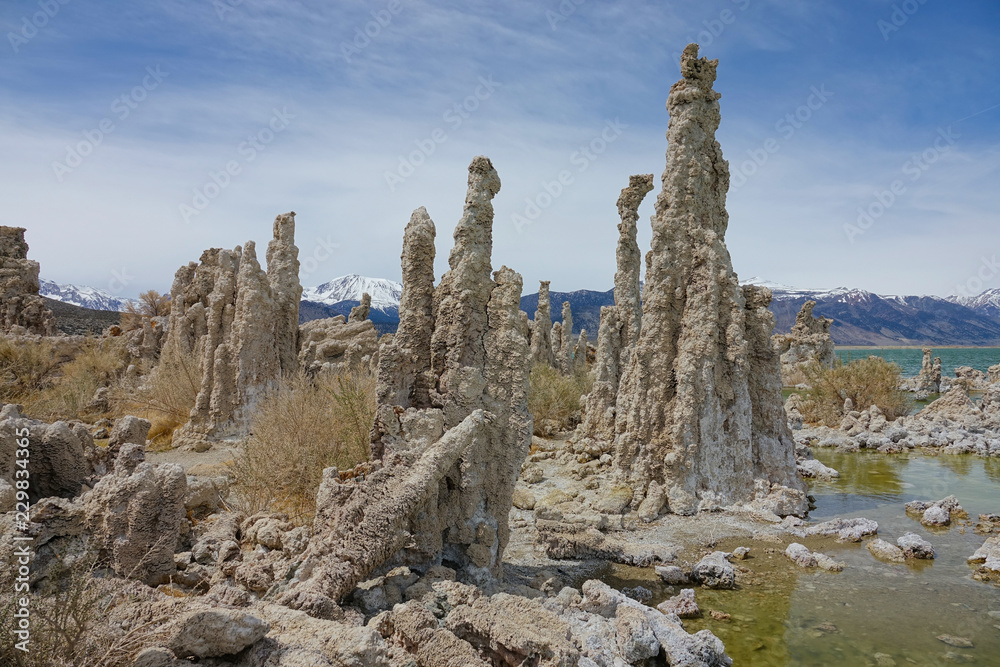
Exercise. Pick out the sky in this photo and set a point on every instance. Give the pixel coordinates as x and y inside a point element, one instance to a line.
<point>863,136</point>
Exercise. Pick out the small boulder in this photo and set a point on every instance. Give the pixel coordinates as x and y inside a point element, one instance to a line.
<point>672,575</point>
<point>523,499</point>
<point>935,515</point>
<point>914,546</point>
<point>214,633</point>
<point>886,551</point>
<point>714,571</point>
<point>800,555</point>
<point>683,605</point>
<point>615,501</point>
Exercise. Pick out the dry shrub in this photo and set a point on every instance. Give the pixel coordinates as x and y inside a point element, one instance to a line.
<point>99,364</point>
<point>555,397</point>
<point>165,396</point>
<point>25,369</point>
<point>151,304</point>
<point>300,428</point>
<point>34,374</point>
<point>71,619</point>
<point>867,382</point>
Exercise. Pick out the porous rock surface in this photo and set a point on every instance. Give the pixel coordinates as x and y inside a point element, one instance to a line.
<point>444,473</point>
<point>566,345</point>
<point>541,334</point>
<point>620,324</point>
<point>699,407</point>
<point>61,459</point>
<point>22,310</point>
<point>241,323</point>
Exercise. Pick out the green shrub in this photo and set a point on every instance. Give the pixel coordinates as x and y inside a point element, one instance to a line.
<point>554,398</point>
<point>867,382</point>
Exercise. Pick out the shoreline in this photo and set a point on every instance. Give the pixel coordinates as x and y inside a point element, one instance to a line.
<point>917,347</point>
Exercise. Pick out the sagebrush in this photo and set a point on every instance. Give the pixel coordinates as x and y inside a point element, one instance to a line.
<point>55,384</point>
<point>164,396</point>
<point>554,398</point>
<point>867,382</point>
<point>303,426</point>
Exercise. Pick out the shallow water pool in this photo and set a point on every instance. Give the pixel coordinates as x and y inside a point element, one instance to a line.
<point>872,613</point>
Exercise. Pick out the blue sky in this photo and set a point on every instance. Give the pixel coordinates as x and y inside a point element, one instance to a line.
<point>863,135</point>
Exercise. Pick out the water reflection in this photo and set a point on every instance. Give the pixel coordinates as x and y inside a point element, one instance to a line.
<point>788,616</point>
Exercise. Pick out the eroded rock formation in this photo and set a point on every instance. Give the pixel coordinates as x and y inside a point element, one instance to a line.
<point>628,300</point>
<point>699,407</point>
<point>335,345</point>
<point>22,310</point>
<point>238,321</point>
<point>451,430</point>
<point>362,310</point>
<point>808,342</point>
<point>541,341</point>
<point>620,324</point>
<point>404,375</point>
<point>566,346</point>
<point>929,379</point>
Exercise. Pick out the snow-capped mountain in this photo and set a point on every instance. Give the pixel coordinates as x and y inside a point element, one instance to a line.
<point>860,317</point>
<point>86,297</point>
<point>385,293</point>
<point>987,303</point>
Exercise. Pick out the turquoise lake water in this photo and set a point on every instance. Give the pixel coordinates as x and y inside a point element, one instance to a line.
<point>980,358</point>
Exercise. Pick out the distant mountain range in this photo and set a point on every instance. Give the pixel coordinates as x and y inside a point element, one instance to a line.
<point>860,317</point>
<point>85,297</point>
<point>987,303</point>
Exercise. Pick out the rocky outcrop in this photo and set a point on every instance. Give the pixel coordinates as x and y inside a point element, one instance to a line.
<point>242,323</point>
<point>283,277</point>
<point>361,311</point>
<point>628,300</point>
<point>566,346</point>
<point>599,410</point>
<point>929,379</point>
<point>556,336</point>
<point>541,341</point>
<point>333,345</point>
<point>809,342</point>
<point>22,310</point>
<point>442,481</point>
<point>134,515</point>
<point>699,408</point>
<point>580,352</point>
<point>62,456</point>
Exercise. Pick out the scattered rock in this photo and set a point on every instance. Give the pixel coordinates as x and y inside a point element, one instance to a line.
<point>914,546</point>
<point>683,605</point>
<point>214,633</point>
<point>957,642</point>
<point>886,551</point>
<point>714,571</point>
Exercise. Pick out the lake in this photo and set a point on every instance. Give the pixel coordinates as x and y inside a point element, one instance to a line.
<point>909,359</point>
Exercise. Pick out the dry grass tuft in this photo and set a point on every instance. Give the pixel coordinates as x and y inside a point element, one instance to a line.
<point>51,388</point>
<point>867,382</point>
<point>25,369</point>
<point>303,426</point>
<point>554,397</point>
<point>165,396</point>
